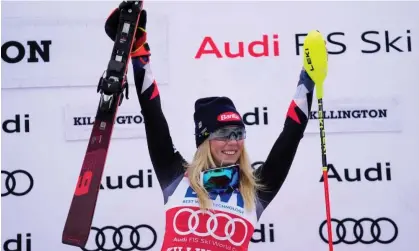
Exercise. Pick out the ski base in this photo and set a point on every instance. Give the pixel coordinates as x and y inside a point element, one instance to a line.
<point>111,87</point>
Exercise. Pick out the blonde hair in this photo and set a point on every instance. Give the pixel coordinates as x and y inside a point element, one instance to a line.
<point>203,160</point>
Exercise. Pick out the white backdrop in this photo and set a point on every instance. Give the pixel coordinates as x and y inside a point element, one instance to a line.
<point>55,93</point>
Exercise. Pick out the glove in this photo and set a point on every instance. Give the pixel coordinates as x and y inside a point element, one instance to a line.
<point>140,45</point>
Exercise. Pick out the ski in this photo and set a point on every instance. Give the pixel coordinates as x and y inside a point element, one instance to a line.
<point>111,87</point>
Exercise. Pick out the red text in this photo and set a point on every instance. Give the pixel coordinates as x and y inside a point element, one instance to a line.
<point>258,48</point>
<point>83,183</point>
<point>228,116</point>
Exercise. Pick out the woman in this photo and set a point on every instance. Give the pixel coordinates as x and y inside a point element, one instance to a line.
<point>214,202</point>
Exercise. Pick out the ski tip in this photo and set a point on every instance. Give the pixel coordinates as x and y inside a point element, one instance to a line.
<point>137,5</point>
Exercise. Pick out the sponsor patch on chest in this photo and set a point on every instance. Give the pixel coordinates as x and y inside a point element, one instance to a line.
<point>229,202</point>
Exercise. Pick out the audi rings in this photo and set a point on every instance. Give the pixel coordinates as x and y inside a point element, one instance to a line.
<point>210,226</point>
<point>117,239</point>
<point>10,183</point>
<point>359,228</point>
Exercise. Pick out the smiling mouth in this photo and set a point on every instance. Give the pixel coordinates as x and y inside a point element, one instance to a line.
<point>229,152</point>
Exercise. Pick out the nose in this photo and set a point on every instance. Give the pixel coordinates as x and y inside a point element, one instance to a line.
<point>232,141</point>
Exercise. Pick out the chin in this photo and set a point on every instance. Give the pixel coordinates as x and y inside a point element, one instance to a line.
<point>231,161</point>
<point>224,160</point>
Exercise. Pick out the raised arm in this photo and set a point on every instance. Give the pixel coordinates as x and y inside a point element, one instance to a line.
<point>167,162</point>
<point>277,165</point>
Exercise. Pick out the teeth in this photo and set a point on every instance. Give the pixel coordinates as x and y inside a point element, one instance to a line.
<point>229,152</point>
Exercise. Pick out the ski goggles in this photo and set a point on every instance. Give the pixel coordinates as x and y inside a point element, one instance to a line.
<point>229,133</point>
<point>220,179</point>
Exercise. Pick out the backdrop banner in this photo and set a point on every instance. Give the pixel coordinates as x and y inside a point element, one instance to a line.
<point>54,52</point>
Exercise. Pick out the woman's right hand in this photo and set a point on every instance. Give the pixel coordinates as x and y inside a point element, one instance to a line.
<point>140,46</point>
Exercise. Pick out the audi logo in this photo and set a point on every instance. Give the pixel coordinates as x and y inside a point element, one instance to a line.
<point>11,184</point>
<point>234,230</point>
<point>383,230</point>
<point>111,238</point>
